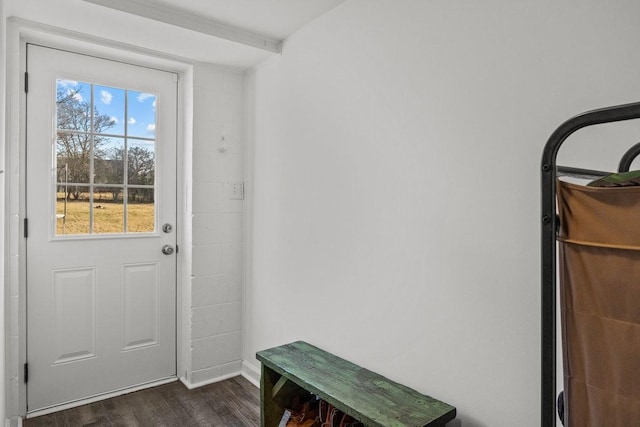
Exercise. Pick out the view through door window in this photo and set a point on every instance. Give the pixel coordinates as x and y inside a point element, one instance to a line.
<point>105,159</point>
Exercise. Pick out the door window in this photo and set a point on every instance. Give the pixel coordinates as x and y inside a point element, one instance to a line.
<point>105,160</point>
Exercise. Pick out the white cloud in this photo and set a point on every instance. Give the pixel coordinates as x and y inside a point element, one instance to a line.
<point>67,83</point>
<point>144,96</point>
<point>151,128</point>
<point>154,103</point>
<point>105,97</point>
<point>131,121</point>
<point>76,96</point>
<point>114,120</point>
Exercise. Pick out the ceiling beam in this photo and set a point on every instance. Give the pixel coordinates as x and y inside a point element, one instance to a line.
<point>193,22</point>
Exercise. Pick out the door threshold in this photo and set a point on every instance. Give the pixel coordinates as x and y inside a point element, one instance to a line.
<point>97,398</point>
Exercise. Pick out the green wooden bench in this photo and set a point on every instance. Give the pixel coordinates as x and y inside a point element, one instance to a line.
<point>368,397</point>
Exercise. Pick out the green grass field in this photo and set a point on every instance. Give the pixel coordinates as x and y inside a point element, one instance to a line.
<point>108,217</point>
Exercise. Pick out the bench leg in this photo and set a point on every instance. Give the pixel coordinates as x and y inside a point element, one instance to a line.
<point>270,411</point>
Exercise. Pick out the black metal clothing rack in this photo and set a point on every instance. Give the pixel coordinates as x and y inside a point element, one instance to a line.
<point>550,171</point>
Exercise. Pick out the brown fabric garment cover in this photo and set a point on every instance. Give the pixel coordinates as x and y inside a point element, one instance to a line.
<point>600,304</point>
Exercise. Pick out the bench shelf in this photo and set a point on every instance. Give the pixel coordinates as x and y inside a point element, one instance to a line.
<point>370,398</point>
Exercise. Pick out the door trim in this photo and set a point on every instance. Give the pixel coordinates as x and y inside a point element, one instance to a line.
<point>19,33</point>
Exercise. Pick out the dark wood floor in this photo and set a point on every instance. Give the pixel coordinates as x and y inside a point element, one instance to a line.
<point>230,403</point>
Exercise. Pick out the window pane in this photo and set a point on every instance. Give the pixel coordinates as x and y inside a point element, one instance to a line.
<point>108,211</point>
<point>104,195</point>
<point>72,210</point>
<point>72,157</point>
<point>141,211</point>
<point>141,110</point>
<point>141,157</point>
<point>109,110</point>
<point>73,105</point>
<point>108,163</point>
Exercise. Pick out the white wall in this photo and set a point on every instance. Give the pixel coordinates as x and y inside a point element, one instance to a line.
<point>396,156</point>
<point>216,224</point>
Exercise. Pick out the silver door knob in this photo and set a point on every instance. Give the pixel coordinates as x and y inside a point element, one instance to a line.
<point>167,249</point>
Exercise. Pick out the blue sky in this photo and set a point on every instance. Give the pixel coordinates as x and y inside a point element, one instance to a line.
<point>140,113</point>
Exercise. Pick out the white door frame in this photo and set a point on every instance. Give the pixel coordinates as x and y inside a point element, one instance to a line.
<point>21,32</point>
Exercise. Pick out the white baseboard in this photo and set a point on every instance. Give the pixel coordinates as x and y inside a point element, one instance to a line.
<point>251,373</point>
<point>248,371</point>
<point>191,385</point>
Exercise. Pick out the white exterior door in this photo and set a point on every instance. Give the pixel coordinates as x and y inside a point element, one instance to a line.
<point>101,183</point>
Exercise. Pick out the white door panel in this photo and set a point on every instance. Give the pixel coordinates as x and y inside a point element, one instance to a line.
<point>140,305</point>
<point>101,295</point>
<point>73,291</point>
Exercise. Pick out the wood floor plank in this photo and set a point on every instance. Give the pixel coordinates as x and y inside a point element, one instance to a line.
<point>199,406</point>
<point>230,403</point>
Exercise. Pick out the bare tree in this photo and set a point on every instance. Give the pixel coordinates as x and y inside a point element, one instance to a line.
<point>79,124</point>
<point>140,170</point>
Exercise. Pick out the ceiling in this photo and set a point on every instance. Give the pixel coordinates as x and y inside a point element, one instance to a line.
<point>228,32</point>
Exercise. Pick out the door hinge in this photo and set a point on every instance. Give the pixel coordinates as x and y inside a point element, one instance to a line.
<point>26,372</point>
<point>26,82</point>
<point>26,228</point>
